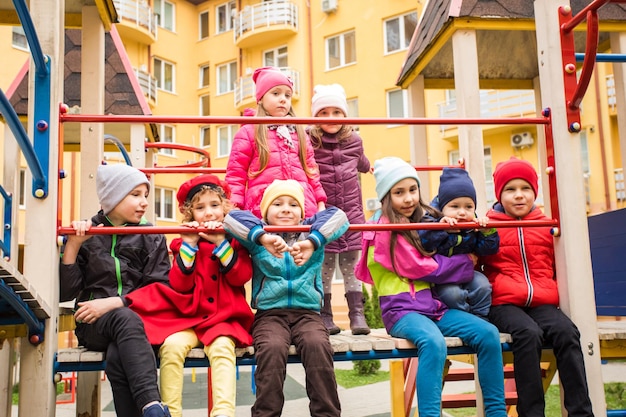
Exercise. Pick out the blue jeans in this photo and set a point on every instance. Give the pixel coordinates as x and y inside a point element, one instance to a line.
<point>473,297</point>
<point>428,336</point>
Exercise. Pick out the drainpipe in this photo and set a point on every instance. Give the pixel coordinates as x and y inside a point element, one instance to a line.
<point>310,40</point>
<point>605,180</point>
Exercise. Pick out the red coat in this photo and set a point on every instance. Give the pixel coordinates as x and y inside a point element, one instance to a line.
<point>207,298</point>
<point>522,272</point>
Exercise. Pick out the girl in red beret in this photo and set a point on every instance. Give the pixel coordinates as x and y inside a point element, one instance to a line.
<point>262,153</point>
<point>206,302</point>
<point>525,297</point>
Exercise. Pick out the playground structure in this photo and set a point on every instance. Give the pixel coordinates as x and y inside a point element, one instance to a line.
<point>39,275</point>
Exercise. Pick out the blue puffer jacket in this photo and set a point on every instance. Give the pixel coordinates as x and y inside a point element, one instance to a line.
<point>278,282</point>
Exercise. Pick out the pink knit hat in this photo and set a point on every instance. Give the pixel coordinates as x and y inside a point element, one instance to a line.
<point>266,78</point>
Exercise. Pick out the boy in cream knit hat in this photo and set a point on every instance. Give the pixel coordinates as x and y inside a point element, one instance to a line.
<point>286,291</point>
<point>99,270</point>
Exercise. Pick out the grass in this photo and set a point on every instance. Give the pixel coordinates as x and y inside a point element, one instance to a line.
<point>615,392</point>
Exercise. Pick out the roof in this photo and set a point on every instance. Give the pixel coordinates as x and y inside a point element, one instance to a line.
<point>505,36</point>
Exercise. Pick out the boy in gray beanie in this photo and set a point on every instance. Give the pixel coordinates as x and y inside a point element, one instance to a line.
<point>99,270</point>
<point>457,202</point>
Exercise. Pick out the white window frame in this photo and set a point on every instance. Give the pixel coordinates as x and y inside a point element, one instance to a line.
<point>405,103</point>
<point>353,111</point>
<point>203,19</point>
<point>402,40</point>
<point>341,40</point>
<point>278,59</point>
<point>166,20</point>
<point>204,76</point>
<point>160,75</point>
<point>205,130</point>
<point>229,131</point>
<point>201,103</point>
<point>228,85</point>
<point>165,138</point>
<point>17,32</point>
<point>160,205</point>
<point>224,11</point>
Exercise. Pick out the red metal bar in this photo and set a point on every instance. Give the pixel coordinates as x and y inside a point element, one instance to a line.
<point>76,118</point>
<point>591,49</point>
<point>551,170</point>
<point>127,230</point>
<point>191,170</point>
<point>593,6</point>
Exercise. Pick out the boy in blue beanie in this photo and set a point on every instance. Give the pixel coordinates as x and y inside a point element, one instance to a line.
<point>457,202</point>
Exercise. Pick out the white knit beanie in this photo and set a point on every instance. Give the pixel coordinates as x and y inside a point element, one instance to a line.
<point>389,171</point>
<point>332,95</point>
<point>114,182</point>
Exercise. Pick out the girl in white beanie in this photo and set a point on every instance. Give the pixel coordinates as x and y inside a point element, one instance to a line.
<point>340,157</point>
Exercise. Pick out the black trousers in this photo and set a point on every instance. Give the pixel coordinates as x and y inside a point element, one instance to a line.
<point>273,332</point>
<point>130,361</point>
<point>531,328</point>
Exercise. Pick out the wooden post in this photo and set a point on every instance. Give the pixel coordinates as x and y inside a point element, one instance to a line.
<point>418,143</point>
<point>618,46</point>
<point>572,253</point>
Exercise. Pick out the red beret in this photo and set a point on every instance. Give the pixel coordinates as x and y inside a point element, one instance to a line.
<point>193,186</point>
<point>513,169</point>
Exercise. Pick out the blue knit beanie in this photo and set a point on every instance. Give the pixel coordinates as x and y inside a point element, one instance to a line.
<point>390,170</point>
<point>455,183</point>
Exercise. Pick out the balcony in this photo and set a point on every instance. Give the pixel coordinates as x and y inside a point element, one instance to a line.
<point>137,21</point>
<point>244,89</point>
<point>610,94</point>
<point>148,85</point>
<point>494,104</point>
<point>265,22</point>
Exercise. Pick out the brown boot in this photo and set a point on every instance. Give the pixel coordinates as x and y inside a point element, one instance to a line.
<point>327,316</point>
<point>358,325</point>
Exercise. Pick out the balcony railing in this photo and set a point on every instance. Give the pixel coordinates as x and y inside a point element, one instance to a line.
<point>244,89</point>
<point>264,15</point>
<point>148,84</point>
<point>495,103</point>
<point>139,12</point>
<point>610,92</point>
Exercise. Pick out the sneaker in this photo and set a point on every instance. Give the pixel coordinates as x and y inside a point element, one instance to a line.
<point>157,410</point>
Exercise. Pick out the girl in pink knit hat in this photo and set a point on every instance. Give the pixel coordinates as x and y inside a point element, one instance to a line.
<point>262,153</point>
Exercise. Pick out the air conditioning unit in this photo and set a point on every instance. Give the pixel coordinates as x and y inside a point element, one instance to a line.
<point>329,6</point>
<point>521,139</point>
<point>372,204</point>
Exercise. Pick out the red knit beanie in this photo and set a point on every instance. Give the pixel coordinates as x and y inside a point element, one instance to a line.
<point>513,169</point>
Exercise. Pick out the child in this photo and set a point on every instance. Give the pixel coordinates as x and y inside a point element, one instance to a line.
<point>525,295</point>
<point>339,154</point>
<point>404,273</point>
<point>457,201</point>
<point>287,293</point>
<point>99,270</point>
<point>262,153</point>
<point>206,302</point>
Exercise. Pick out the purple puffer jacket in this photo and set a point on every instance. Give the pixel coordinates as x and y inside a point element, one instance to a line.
<point>340,163</point>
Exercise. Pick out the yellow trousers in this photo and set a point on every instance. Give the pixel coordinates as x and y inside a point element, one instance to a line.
<point>221,354</point>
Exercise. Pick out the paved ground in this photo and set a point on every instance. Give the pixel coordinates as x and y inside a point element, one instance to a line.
<point>367,401</point>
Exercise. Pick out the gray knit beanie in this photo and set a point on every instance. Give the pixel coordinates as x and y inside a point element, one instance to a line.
<point>114,182</point>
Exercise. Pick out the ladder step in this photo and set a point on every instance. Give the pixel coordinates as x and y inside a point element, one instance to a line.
<point>469,400</point>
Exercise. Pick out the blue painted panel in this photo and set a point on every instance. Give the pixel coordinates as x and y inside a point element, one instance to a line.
<point>607,238</point>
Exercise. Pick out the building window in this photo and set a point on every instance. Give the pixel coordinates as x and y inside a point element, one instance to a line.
<point>164,203</point>
<point>226,77</point>
<point>275,57</point>
<point>204,76</point>
<point>224,16</point>
<point>397,103</point>
<point>167,135</point>
<point>341,50</point>
<point>453,159</point>
<point>205,136</point>
<point>398,32</point>
<point>225,135</point>
<point>19,40</point>
<point>353,110</point>
<point>166,13</point>
<point>203,30</point>
<point>204,105</point>
<point>22,187</point>
<point>164,72</point>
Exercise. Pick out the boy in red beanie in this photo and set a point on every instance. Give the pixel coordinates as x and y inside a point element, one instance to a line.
<point>525,298</point>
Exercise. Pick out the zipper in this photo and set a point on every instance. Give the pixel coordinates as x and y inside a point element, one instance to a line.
<point>520,235</point>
